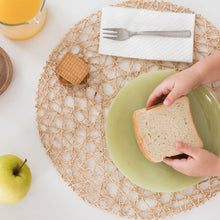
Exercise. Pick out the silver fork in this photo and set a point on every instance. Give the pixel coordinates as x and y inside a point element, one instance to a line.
<point>124,34</point>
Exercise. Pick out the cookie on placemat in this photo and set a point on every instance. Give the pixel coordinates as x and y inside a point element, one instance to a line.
<point>71,69</point>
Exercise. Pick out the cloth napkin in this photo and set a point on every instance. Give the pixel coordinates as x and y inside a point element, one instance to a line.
<point>148,47</point>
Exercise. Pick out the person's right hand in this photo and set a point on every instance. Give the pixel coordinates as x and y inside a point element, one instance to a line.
<point>175,86</point>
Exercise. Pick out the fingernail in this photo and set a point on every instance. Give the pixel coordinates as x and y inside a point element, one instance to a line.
<point>166,102</point>
<point>178,144</point>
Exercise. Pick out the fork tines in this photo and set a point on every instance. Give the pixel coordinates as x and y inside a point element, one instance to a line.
<point>109,33</point>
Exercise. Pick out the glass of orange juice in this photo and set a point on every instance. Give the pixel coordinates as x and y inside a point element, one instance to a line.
<point>22,19</point>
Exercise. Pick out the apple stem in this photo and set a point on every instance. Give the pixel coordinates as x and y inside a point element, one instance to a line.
<point>17,170</point>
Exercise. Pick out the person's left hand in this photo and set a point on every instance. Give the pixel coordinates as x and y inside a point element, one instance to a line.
<point>200,162</point>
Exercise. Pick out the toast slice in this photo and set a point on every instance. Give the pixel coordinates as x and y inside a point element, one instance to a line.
<point>159,128</point>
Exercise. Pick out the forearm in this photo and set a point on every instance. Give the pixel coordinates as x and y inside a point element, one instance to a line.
<point>208,69</point>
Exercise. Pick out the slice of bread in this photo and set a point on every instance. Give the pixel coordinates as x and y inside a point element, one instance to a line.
<point>159,128</point>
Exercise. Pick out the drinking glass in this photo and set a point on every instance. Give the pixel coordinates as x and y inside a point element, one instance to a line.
<point>26,29</point>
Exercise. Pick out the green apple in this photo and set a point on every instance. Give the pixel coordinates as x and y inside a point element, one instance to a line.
<point>15,178</point>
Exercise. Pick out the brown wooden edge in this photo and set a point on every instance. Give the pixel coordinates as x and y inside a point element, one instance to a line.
<point>9,70</point>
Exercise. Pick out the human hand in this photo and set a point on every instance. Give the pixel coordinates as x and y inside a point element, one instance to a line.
<point>200,162</point>
<point>175,86</point>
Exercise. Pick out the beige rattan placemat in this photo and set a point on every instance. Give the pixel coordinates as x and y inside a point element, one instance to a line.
<point>71,120</point>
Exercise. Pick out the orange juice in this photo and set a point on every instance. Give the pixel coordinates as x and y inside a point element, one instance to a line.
<point>21,19</point>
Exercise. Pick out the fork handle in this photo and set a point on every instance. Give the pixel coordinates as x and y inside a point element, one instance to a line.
<point>180,34</point>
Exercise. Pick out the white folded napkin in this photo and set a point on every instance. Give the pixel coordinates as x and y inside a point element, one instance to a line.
<point>148,47</point>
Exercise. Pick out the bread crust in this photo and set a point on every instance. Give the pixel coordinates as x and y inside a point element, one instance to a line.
<point>139,138</point>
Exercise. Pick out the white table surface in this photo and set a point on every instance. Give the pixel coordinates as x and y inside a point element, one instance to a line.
<point>49,197</point>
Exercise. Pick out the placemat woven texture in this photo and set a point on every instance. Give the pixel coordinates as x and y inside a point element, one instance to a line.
<point>71,120</point>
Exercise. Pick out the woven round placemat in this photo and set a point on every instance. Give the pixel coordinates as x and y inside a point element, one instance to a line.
<point>71,120</point>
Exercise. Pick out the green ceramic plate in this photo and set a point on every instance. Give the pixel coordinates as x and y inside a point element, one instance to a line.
<point>124,149</point>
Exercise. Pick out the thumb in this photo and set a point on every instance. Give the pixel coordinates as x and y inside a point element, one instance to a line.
<point>171,97</point>
<point>186,149</point>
